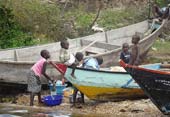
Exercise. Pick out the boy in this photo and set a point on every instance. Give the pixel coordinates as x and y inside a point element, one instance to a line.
<point>125,54</point>
<point>64,56</point>
<point>135,58</point>
<point>79,59</point>
<point>93,63</point>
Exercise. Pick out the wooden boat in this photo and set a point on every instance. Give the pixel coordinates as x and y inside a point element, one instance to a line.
<point>106,85</point>
<point>155,84</point>
<point>15,63</point>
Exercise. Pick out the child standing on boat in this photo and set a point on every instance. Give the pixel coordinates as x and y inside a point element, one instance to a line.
<point>125,54</point>
<point>64,55</point>
<point>135,58</point>
<point>36,72</point>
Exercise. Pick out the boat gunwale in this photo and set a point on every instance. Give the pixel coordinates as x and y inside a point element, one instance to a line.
<point>94,70</point>
<point>143,69</point>
<point>142,41</point>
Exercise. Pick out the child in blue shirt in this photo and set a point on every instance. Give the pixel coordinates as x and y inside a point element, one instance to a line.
<point>93,63</point>
<point>125,54</point>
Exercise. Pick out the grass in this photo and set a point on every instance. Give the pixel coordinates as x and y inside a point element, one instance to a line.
<point>160,53</point>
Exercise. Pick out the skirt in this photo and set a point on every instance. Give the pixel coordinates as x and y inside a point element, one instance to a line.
<point>34,83</point>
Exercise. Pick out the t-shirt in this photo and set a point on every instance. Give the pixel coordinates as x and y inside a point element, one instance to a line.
<point>91,63</point>
<point>64,55</point>
<point>125,56</point>
<point>37,67</point>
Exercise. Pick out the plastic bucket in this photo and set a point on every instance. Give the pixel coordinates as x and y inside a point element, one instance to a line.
<point>59,89</point>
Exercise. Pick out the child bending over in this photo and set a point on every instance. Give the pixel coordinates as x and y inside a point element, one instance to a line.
<point>36,72</point>
<point>78,62</point>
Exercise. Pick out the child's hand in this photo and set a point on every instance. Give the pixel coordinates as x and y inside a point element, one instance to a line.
<point>52,80</point>
<point>50,62</point>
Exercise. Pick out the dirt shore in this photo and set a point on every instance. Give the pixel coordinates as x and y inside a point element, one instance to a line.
<point>132,108</point>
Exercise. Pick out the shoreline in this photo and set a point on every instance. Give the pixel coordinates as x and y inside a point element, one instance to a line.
<point>140,107</point>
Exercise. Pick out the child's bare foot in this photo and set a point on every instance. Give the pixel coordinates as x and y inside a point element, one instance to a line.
<point>73,105</point>
<point>40,101</point>
<point>73,76</point>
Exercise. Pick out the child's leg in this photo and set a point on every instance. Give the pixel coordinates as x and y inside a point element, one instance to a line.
<point>74,96</point>
<point>39,98</point>
<point>31,98</point>
<point>73,70</point>
<point>82,97</point>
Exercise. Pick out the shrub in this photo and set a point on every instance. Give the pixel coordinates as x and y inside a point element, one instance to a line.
<point>11,34</point>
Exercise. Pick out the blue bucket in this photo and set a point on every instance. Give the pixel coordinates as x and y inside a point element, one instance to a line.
<point>52,100</point>
<point>59,89</point>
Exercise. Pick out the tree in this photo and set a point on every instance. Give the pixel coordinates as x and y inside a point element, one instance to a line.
<point>11,34</point>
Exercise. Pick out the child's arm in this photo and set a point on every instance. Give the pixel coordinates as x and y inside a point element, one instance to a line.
<point>133,55</point>
<point>44,72</point>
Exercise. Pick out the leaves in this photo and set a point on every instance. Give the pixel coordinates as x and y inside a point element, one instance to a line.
<point>11,34</point>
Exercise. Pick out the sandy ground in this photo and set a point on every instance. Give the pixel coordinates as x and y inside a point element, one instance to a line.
<point>132,108</point>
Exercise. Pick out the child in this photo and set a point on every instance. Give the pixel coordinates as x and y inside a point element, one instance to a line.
<point>37,70</point>
<point>64,56</point>
<point>93,63</point>
<point>135,58</point>
<point>79,59</point>
<point>125,54</point>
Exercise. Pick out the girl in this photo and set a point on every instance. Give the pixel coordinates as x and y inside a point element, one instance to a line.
<point>36,71</point>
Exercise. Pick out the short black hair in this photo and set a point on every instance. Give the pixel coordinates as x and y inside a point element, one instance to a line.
<point>43,53</point>
<point>136,38</point>
<point>63,43</point>
<point>99,60</point>
<point>125,45</point>
<point>79,56</point>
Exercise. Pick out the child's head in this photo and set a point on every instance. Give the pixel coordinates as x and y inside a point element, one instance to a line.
<point>79,56</point>
<point>64,44</point>
<point>99,60</point>
<point>135,39</point>
<point>45,54</point>
<point>125,47</point>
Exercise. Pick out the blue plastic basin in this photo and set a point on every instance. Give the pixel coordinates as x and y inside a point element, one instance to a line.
<point>52,100</point>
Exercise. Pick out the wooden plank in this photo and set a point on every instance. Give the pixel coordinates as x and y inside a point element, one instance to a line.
<point>93,42</point>
<point>102,45</point>
<point>165,65</point>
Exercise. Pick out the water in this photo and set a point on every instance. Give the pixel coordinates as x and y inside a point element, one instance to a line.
<point>22,112</point>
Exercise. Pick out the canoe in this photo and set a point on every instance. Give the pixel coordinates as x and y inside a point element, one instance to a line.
<point>155,84</point>
<point>16,62</point>
<point>106,85</point>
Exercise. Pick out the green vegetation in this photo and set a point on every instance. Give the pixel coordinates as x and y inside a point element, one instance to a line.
<point>161,52</point>
<point>163,3</point>
<point>11,35</point>
<point>111,19</point>
<point>53,22</point>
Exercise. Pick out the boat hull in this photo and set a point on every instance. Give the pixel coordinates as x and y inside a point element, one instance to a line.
<point>104,85</point>
<point>16,73</point>
<point>110,93</point>
<point>155,84</point>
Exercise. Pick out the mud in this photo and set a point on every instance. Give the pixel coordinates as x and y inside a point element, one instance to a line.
<point>140,107</point>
